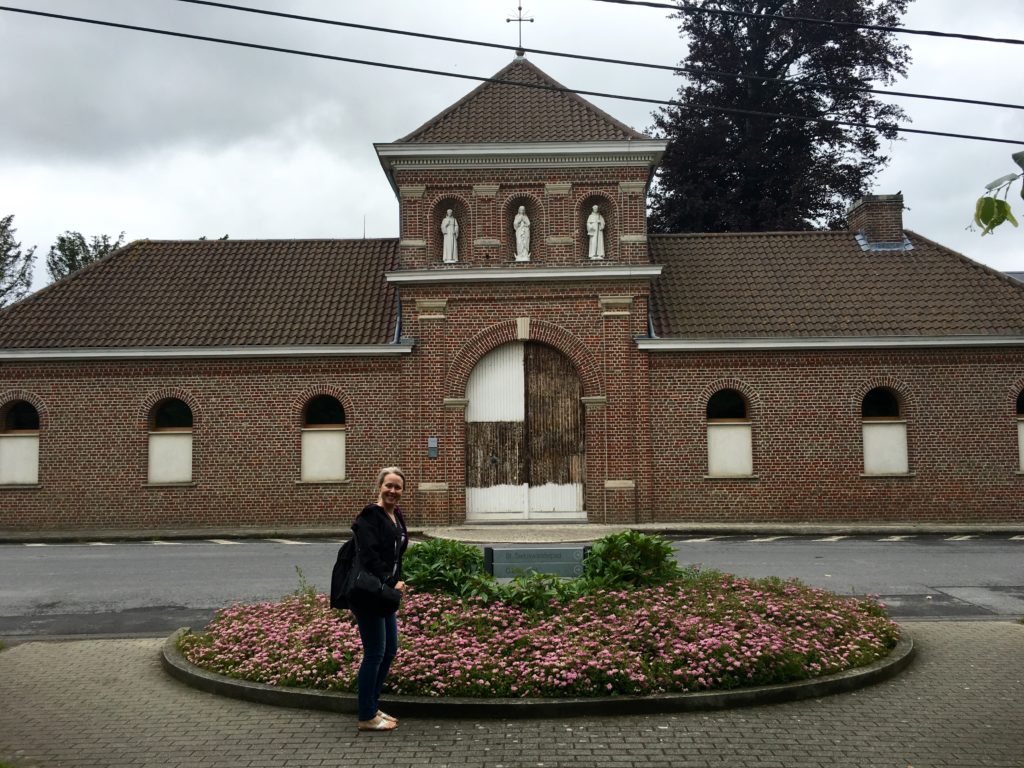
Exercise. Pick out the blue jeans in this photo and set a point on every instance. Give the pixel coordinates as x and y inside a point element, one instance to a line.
<point>379,635</point>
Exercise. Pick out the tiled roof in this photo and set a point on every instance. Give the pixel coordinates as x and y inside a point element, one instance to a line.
<point>203,293</point>
<point>501,113</point>
<point>809,284</point>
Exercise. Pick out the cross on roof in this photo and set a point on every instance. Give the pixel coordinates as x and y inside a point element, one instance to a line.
<point>520,19</point>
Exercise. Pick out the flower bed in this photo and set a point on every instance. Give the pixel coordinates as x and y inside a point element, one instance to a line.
<point>715,632</point>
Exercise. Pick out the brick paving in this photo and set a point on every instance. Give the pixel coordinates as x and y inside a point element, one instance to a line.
<point>108,703</point>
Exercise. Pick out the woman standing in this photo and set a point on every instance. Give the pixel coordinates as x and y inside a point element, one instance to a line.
<point>381,539</point>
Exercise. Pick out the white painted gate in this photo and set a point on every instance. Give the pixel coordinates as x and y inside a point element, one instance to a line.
<point>524,436</point>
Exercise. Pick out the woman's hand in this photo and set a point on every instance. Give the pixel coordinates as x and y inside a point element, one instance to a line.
<point>400,586</point>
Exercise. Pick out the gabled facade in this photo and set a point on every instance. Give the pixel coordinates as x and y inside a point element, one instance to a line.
<point>526,351</point>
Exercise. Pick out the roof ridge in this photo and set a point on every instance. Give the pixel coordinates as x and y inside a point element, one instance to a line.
<point>1016,284</point>
<point>761,233</point>
<point>587,104</point>
<point>453,106</point>
<point>72,277</point>
<point>274,240</point>
<point>501,79</point>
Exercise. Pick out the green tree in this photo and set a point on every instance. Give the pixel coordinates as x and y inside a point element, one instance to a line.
<point>71,252</point>
<point>740,171</point>
<point>15,264</point>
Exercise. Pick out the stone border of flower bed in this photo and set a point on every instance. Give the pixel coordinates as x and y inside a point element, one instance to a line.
<point>426,706</point>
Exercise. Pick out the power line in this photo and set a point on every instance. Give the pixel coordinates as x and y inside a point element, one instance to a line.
<point>825,22</point>
<point>685,70</point>
<point>537,86</point>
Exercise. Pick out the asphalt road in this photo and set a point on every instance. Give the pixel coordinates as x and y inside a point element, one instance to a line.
<point>152,588</point>
<point>919,577</point>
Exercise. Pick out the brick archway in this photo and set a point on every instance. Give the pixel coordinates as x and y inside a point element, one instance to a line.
<point>538,330</point>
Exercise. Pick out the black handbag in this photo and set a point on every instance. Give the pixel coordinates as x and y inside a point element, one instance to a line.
<point>352,583</point>
<point>387,598</point>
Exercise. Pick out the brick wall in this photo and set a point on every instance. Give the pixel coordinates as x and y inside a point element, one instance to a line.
<point>960,409</point>
<point>805,411</point>
<point>246,441</point>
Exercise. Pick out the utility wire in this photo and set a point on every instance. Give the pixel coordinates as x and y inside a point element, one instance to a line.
<point>538,86</point>
<point>716,75</point>
<point>826,22</point>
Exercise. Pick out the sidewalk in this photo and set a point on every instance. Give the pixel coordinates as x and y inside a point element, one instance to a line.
<point>108,703</point>
<point>521,533</point>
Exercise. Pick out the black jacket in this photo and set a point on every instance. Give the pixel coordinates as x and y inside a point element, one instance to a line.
<point>380,543</point>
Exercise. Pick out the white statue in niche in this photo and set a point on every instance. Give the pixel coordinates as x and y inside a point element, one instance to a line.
<point>521,225</point>
<point>595,231</point>
<point>450,230</point>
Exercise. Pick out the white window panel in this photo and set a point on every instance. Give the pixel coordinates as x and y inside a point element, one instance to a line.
<point>730,450</point>
<point>885,448</point>
<point>19,459</point>
<point>323,455</point>
<point>170,457</point>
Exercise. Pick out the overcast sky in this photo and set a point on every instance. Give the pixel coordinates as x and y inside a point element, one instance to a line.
<point>107,130</point>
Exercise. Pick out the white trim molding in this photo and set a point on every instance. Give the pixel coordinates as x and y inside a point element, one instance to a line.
<point>826,342</point>
<point>183,353</point>
<point>523,274</point>
<point>645,153</point>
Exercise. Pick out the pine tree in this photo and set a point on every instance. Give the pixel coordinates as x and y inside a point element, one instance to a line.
<point>725,171</point>
<point>15,264</point>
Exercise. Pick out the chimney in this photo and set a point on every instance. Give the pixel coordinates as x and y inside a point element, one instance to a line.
<point>877,222</point>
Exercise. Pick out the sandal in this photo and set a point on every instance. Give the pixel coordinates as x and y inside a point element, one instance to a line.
<point>377,724</point>
<point>385,716</point>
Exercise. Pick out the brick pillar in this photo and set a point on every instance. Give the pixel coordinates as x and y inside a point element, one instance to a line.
<point>486,238</point>
<point>412,235</point>
<point>558,230</point>
<point>623,452</point>
<point>429,419</point>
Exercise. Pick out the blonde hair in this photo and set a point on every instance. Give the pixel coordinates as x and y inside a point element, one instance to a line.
<point>384,473</point>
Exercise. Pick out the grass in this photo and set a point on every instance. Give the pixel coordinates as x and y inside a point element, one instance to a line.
<point>700,631</point>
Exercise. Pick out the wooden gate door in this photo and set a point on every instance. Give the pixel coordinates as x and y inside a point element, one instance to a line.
<point>524,436</point>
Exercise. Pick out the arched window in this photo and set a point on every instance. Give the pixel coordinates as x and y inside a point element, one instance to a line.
<point>880,403</point>
<point>884,433</point>
<point>726,404</point>
<point>19,444</point>
<point>21,416</point>
<point>172,414</point>
<point>323,410</point>
<point>170,442</point>
<point>730,438</point>
<point>323,440</point>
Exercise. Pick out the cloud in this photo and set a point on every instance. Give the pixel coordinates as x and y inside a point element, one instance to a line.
<point>109,130</point>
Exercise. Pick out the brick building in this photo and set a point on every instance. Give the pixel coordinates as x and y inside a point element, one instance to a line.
<point>584,370</point>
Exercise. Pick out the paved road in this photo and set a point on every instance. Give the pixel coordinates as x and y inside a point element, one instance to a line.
<point>957,576</point>
<point>107,703</point>
<point>155,587</point>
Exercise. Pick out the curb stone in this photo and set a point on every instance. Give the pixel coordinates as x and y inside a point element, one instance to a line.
<point>453,707</point>
<point>517,533</point>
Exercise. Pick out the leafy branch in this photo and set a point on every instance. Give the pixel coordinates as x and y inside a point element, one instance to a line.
<point>991,210</point>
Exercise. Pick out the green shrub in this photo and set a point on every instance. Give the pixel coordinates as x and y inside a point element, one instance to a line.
<point>442,565</point>
<point>629,559</point>
<point>539,592</point>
